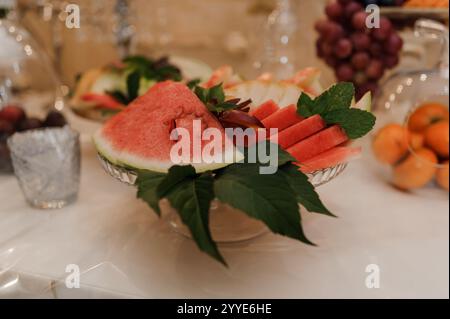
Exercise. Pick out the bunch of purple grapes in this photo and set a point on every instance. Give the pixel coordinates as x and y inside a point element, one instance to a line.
<point>356,53</point>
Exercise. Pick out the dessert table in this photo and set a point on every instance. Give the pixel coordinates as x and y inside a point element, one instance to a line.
<point>123,250</point>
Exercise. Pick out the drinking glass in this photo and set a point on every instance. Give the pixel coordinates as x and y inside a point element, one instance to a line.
<point>47,165</point>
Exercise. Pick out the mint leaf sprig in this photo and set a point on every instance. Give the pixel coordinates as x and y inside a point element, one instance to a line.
<point>273,199</point>
<point>215,100</point>
<point>334,106</point>
<point>140,68</point>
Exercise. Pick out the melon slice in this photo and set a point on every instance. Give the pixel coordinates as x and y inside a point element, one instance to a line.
<point>308,79</point>
<point>318,143</point>
<point>291,95</point>
<point>365,103</point>
<point>283,118</point>
<point>300,131</point>
<point>265,110</point>
<point>330,158</point>
<point>139,136</point>
<point>283,94</point>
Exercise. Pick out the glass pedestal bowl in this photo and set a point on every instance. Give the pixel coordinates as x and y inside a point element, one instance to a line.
<point>228,225</point>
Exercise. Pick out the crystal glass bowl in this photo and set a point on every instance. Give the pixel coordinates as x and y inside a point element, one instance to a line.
<point>409,98</point>
<point>228,225</point>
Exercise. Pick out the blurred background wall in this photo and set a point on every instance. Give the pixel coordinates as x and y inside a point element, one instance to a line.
<point>216,31</point>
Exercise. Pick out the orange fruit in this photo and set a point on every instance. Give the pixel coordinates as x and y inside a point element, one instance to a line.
<point>416,170</point>
<point>442,176</point>
<point>416,140</point>
<point>390,144</point>
<point>427,114</point>
<point>437,138</point>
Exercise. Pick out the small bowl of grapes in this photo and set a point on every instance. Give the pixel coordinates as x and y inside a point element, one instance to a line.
<point>13,119</point>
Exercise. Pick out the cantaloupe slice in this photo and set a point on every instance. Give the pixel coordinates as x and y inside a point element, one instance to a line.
<point>298,132</point>
<point>265,110</point>
<point>318,143</point>
<point>283,118</point>
<point>330,158</point>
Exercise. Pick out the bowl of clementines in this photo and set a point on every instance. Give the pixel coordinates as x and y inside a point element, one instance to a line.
<point>416,150</point>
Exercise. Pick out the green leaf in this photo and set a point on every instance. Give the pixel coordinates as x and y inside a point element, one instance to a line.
<point>133,81</point>
<point>119,96</point>
<point>193,83</point>
<point>202,94</point>
<point>283,156</point>
<point>191,197</point>
<point>138,62</point>
<point>305,106</point>
<point>304,190</point>
<point>176,175</point>
<point>268,198</point>
<point>169,72</point>
<point>225,106</point>
<point>216,94</point>
<point>356,123</point>
<point>337,97</point>
<point>147,184</point>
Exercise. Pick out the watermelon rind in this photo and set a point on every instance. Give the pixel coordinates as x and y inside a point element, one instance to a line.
<point>131,161</point>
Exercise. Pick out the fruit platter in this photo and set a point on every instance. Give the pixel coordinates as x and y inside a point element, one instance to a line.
<point>101,92</point>
<point>191,151</point>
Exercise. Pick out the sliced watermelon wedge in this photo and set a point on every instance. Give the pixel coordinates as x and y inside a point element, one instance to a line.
<point>103,101</point>
<point>298,132</point>
<point>140,136</point>
<point>318,143</point>
<point>283,118</point>
<point>330,158</point>
<point>265,110</point>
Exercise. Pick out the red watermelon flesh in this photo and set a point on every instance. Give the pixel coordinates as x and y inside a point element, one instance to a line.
<point>318,143</point>
<point>139,136</point>
<point>300,131</point>
<point>330,158</point>
<point>282,118</point>
<point>265,110</point>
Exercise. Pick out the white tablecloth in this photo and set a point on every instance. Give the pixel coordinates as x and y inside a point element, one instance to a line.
<point>123,250</point>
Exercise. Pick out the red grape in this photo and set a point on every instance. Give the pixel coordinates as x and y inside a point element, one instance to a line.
<point>327,48</point>
<point>360,78</point>
<point>366,87</point>
<point>331,61</point>
<point>375,69</point>
<point>384,30</point>
<point>343,48</point>
<point>359,20</point>
<point>356,52</point>
<point>333,31</point>
<point>391,61</point>
<point>344,72</point>
<point>361,41</point>
<point>360,60</point>
<point>334,11</point>
<point>351,9</point>
<point>394,44</point>
<point>376,49</point>
<point>319,50</point>
<point>320,26</point>
<point>6,127</point>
